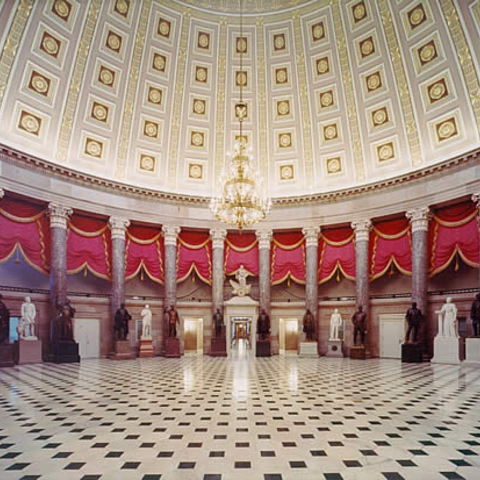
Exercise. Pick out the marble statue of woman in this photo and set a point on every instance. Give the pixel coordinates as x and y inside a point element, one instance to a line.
<point>146,314</point>
<point>447,320</point>
<point>240,287</point>
<point>335,324</point>
<point>29,312</point>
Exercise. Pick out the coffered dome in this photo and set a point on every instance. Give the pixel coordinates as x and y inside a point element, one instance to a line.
<point>338,93</point>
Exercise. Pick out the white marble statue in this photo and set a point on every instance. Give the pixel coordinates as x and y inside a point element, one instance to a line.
<point>146,314</point>
<point>27,322</point>
<point>240,287</point>
<point>447,320</point>
<point>335,324</point>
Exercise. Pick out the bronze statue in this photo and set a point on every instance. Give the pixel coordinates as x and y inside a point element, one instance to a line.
<point>64,325</point>
<point>309,325</point>
<point>173,319</point>
<point>263,324</point>
<point>4,322</point>
<point>120,326</point>
<point>414,319</point>
<point>218,322</point>
<point>359,320</point>
<point>475,315</point>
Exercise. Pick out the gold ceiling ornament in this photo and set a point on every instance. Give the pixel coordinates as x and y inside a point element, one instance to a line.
<point>240,198</point>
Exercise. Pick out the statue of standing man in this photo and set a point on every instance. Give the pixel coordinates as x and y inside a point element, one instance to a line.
<point>29,312</point>
<point>359,320</point>
<point>447,319</point>
<point>335,324</point>
<point>263,324</point>
<point>414,319</point>
<point>475,315</point>
<point>309,325</point>
<point>218,322</point>
<point>122,318</point>
<point>146,315</point>
<point>173,319</point>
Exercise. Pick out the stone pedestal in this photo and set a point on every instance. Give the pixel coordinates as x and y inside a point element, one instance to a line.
<point>146,348</point>
<point>334,348</point>
<point>218,347</point>
<point>308,349</point>
<point>446,350</point>
<point>412,353</point>
<point>263,348</point>
<point>172,347</point>
<point>358,352</point>
<point>472,351</point>
<point>6,355</point>
<point>65,352</point>
<point>122,351</point>
<point>28,351</point>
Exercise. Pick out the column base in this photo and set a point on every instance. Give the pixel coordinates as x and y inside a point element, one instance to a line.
<point>334,349</point>
<point>218,347</point>
<point>358,352</point>
<point>263,348</point>
<point>146,348</point>
<point>172,347</point>
<point>6,355</point>
<point>65,352</point>
<point>412,353</point>
<point>28,351</point>
<point>472,351</point>
<point>122,351</point>
<point>308,349</point>
<point>446,350</point>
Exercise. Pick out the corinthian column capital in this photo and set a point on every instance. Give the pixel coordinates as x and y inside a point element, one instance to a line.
<point>264,238</point>
<point>476,199</point>
<point>419,218</point>
<point>362,230</point>
<point>170,234</point>
<point>311,236</point>
<point>58,215</point>
<point>2,192</point>
<point>218,237</point>
<point>118,227</point>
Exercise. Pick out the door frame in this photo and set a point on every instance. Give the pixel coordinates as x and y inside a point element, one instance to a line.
<point>390,318</point>
<point>97,333</point>
<point>282,321</point>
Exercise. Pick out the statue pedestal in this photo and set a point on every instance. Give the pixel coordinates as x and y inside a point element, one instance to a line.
<point>172,347</point>
<point>412,353</point>
<point>146,348</point>
<point>218,347</point>
<point>6,355</point>
<point>28,351</point>
<point>65,352</point>
<point>308,349</point>
<point>334,348</point>
<point>122,351</point>
<point>472,351</point>
<point>263,348</point>
<point>446,350</point>
<point>358,352</point>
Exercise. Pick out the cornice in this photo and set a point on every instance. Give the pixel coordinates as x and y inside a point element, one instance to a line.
<point>30,162</point>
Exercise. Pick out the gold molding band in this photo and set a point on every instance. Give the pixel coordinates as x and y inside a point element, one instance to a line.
<point>132,87</point>
<point>81,56</point>
<point>220,133</point>
<point>403,90</point>
<point>262,100</point>
<point>12,43</point>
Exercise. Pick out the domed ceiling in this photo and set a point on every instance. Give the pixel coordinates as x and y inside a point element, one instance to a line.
<point>339,93</point>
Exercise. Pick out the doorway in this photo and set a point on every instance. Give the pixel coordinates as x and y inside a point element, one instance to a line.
<point>86,332</point>
<point>193,335</point>
<point>241,333</point>
<point>288,335</point>
<point>392,332</point>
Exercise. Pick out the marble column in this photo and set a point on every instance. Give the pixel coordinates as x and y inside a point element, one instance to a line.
<point>264,241</point>
<point>58,257</point>
<point>118,227</point>
<point>311,287</point>
<point>419,218</point>
<point>170,234</point>
<point>362,237</point>
<point>476,200</point>
<point>218,242</point>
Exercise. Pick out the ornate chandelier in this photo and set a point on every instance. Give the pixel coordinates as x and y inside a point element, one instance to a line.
<point>240,198</point>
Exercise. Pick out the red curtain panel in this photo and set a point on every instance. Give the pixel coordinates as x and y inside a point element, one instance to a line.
<point>194,253</point>
<point>288,258</point>
<point>336,254</point>
<point>241,249</point>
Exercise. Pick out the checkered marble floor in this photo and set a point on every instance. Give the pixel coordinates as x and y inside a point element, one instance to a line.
<point>279,418</point>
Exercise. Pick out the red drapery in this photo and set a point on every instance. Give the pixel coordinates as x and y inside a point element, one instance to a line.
<point>194,253</point>
<point>454,230</point>
<point>288,258</point>
<point>241,250</point>
<point>390,243</point>
<point>336,254</point>
<point>144,253</point>
<point>25,227</point>
<point>88,246</point>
